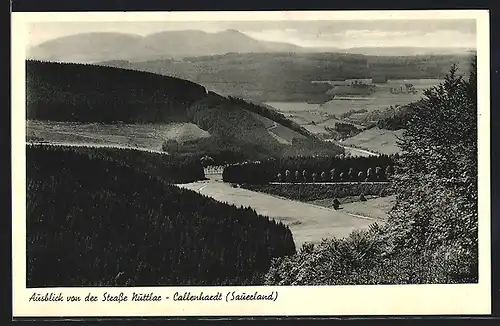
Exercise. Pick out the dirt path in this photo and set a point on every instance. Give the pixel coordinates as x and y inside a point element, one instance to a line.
<point>308,223</point>
<point>276,136</point>
<point>353,150</point>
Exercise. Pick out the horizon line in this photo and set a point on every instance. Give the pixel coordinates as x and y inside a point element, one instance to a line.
<point>255,38</point>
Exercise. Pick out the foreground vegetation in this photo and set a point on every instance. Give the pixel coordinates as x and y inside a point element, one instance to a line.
<point>431,235</point>
<point>98,217</point>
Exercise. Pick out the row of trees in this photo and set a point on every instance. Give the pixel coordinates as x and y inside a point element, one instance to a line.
<point>93,222</point>
<point>309,192</point>
<point>371,174</point>
<point>312,169</point>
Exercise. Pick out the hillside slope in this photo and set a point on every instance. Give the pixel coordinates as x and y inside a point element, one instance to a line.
<point>88,93</point>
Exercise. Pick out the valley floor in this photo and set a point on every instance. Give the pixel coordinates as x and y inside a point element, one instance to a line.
<point>308,222</point>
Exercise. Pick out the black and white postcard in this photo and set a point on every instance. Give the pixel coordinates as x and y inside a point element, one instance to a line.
<point>251,163</point>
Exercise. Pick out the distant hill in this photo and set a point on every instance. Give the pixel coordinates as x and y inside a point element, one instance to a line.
<point>180,44</point>
<point>289,77</point>
<point>105,46</point>
<point>94,47</point>
<point>88,93</point>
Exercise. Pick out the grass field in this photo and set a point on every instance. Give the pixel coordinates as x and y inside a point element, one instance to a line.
<point>149,136</point>
<point>308,222</point>
<point>376,140</point>
<point>374,207</point>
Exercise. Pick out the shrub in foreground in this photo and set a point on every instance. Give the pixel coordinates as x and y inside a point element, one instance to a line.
<point>365,258</point>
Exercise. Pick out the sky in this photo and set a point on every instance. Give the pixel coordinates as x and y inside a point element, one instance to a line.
<point>450,33</point>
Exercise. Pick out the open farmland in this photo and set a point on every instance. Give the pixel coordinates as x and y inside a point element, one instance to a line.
<point>382,98</point>
<point>317,118</point>
<point>308,222</point>
<point>148,136</point>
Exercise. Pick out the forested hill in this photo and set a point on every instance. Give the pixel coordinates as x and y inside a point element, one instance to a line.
<point>238,130</point>
<point>98,217</point>
<point>88,93</point>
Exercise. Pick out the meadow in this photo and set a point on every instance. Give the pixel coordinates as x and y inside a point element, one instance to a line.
<point>147,136</point>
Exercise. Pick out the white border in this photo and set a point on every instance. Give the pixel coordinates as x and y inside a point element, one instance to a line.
<point>306,300</point>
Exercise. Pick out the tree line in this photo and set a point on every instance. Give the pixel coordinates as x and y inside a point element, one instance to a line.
<point>93,221</point>
<point>167,168</point>
<point>300,169</point>
<point>309,192</point>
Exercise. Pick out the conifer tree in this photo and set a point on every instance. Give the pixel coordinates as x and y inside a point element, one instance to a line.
<point>436,179</point>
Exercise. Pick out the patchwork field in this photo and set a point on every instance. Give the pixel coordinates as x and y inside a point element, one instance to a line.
<point>380,99</point>
<point>148,136</point>
<point>316,118</point>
